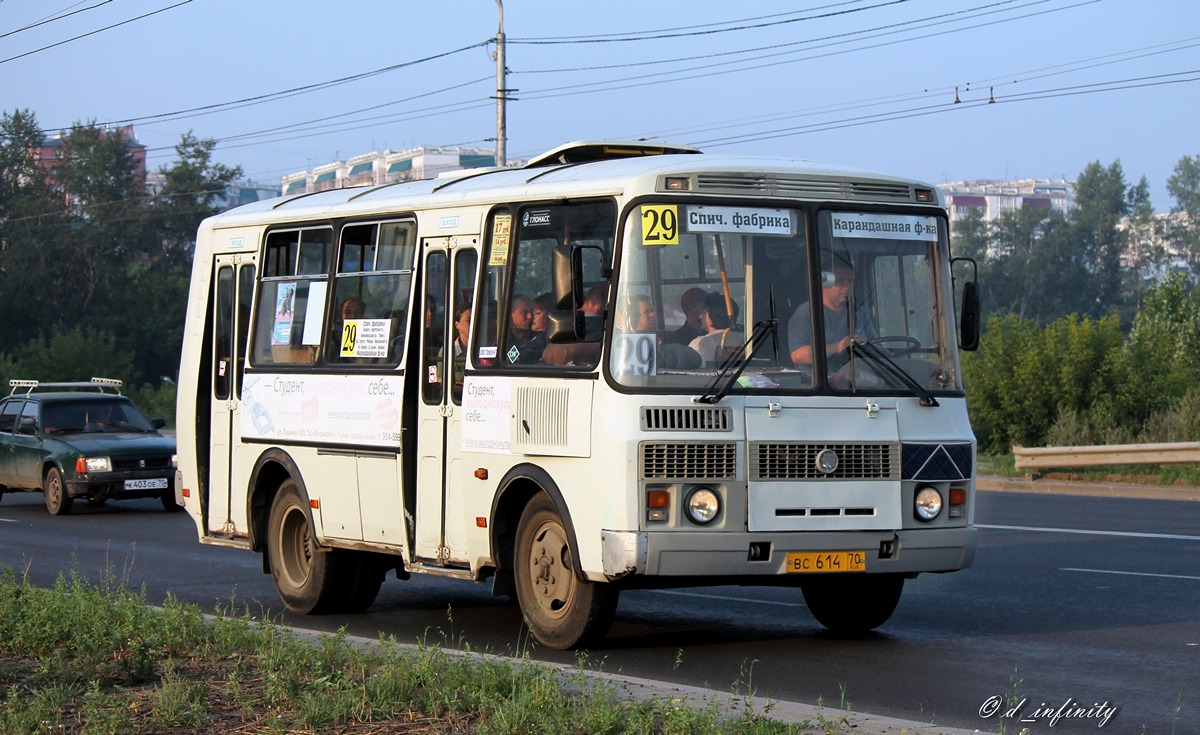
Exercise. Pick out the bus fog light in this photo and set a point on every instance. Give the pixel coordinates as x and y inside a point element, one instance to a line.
<point>702,506</point>
<point>928,503</point>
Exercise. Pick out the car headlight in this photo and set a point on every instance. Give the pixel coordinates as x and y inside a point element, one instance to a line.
<point>83,465</point>
<point>702,506</point>
<point>928,503</point>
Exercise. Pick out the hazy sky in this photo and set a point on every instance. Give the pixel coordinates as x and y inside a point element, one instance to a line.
<point>868,83</point>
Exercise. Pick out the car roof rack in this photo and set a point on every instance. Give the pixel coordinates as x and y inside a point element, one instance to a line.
<point>101,385</point>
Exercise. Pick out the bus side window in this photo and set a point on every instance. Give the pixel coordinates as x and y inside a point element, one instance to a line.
<point>291,296</point>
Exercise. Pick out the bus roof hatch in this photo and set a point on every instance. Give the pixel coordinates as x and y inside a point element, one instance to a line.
<point>585,151</point>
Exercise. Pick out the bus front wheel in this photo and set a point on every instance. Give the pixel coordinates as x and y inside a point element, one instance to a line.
<point>306,576</point>
<point>561,610</point>
<point>852,603</point>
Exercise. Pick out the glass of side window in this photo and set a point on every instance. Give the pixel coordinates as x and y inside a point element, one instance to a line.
<point>291,298</point>
<point>371,292</point>
<point>516,298</point>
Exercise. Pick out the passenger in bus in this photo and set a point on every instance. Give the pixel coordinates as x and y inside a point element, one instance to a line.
<point>462,328</point>
<point>541,311</point>
<point>692,304</point>
<point>641,316</point>
<point>719,319</point>
<point>351,308</point>
<point>837,289</point>
<point>587,352</point>
<point>529,343</point>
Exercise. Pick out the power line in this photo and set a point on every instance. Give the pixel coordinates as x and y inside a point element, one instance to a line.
<point>682,34</point>
<point>1096,88</point>
<point>683,28</point>
<point>933,92</point>
<point>624,83</point>
<point>676,60</point>
<point>54,18</point>
<point>92,33</point>
<point>282,94</point>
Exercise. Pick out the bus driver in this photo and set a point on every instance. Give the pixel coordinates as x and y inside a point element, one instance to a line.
<point>835,298</point>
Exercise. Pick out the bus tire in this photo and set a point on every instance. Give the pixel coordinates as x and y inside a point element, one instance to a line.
<point>365,580</point>
<point>852,603</point>
<point>308,579</point>
<point>57,500</point>
<point>561,610</point>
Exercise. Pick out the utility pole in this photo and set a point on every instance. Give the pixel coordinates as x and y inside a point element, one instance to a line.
<point>501,93</point>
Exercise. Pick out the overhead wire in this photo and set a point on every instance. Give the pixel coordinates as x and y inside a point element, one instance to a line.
<point>56,17</point>
<point>646,80</point>
<point>92,33</point>
<point>682,34</point>
<point>686,28</point>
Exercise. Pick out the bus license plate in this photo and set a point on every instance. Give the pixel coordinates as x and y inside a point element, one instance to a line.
<point>827,561</point>
<point>157,483</point>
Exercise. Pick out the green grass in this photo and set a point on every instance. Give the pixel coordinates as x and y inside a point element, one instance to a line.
<point>82,658</point>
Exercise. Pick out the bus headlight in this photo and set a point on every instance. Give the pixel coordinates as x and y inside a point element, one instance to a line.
<point>702,506</point>
<point>928,503</point>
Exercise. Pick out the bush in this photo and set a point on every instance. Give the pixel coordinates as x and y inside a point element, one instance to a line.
<point>1082,381</point>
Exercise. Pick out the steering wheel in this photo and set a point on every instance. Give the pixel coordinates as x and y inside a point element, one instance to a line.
<point>910,344</point>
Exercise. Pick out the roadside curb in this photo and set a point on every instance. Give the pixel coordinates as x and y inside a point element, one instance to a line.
<point>1043,486</point>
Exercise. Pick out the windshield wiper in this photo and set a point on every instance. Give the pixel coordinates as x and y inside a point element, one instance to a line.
<point>738,361</point>
<point>885,360</point>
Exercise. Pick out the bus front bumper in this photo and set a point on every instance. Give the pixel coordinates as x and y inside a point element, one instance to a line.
<point>690,554</point>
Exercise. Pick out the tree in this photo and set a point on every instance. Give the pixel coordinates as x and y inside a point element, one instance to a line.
<point>1184,185</point>
<point>193,188</point>
<point>1100,203</point>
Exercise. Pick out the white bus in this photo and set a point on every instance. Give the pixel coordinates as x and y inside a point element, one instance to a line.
<point>588,374</point>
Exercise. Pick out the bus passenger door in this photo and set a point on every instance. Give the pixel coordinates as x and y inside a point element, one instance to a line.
<point>448,284</point>
<point>233,291</point>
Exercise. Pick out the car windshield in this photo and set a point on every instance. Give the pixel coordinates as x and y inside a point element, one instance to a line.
<point>702,286</point>
<point>94,416</point>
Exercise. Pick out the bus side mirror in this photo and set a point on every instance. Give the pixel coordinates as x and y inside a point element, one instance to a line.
<point>564,326</point>
<point>969,321</point>
<point>566,265</point>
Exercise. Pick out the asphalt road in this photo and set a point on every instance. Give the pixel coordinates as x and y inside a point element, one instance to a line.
<point>1078,604</point>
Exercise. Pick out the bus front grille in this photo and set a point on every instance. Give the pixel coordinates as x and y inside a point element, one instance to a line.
<point>689,461</point>
<point>798,461</point>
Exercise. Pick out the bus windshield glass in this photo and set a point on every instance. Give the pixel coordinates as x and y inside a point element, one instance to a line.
<point>703,286</point>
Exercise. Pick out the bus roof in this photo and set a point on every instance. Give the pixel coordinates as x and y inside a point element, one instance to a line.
<point>585,174</point>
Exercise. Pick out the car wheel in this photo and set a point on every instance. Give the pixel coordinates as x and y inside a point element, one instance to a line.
<point>561,610</point>
<point>57,500</point>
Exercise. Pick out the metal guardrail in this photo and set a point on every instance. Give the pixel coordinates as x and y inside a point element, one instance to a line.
<point>1104,455</point>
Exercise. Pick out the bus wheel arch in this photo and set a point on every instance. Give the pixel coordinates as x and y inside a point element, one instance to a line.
<point>273,468</point>
<point>518,487</point>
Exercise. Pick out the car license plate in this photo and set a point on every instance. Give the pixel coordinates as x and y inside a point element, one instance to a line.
<point>155,483</point>
<point>827,561</point>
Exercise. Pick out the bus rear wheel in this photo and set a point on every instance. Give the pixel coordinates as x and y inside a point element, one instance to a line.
<point>306,576</point>
<point>852,603</point>
<point>561,610</point>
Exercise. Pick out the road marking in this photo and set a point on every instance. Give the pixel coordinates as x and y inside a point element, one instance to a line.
<point>1128,534</point>
<point>747,600</point>
<point>1131,574</point>
<point>8,520</point>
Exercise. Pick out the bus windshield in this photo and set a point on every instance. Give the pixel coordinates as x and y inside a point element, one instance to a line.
<point>859,306</point>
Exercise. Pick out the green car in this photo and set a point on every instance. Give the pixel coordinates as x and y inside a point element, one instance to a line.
<point>82,440</point>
